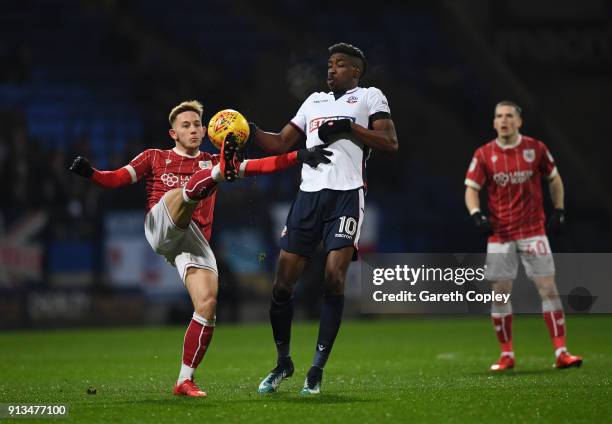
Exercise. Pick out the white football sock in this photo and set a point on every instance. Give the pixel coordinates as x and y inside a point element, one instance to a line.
<point>185,374</point>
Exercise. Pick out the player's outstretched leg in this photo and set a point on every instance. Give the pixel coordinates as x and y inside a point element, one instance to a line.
<point>331,316</point>
<point>501,316</point>
<point>552,311</point>
<point>203,182</point>
<point>289,268</point>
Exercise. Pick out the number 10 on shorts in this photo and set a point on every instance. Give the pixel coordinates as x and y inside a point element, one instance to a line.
<point>348,225</point>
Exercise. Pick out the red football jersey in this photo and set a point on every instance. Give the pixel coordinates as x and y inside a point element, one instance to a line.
<point>513,175</point>
<point>166,170</point>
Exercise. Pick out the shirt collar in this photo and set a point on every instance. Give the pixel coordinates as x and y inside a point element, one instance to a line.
<point>185,155</point>
<point>352,90</point>
<point>509,146</point>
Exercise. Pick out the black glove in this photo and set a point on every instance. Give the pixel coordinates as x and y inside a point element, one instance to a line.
<point>252,131</point>
<point>556,222</point>
<point>82,167</point>
<point>314,156</point>
<point>333,127</point>
<point>482,223</point>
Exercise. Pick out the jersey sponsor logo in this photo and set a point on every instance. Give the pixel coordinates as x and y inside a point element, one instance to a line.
<point>352,99</point>
<point>516,177</point>
<point>315,123</point>
<point>205,164</point>
<point>473,164</point>
<point>321,101</point>
<point>529,155</point>
<point>172,180</point>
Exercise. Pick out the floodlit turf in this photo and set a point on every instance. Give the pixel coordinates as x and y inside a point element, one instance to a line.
<point>409,370</point>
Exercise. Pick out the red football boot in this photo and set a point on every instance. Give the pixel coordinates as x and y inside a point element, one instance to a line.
<point>567,360</point>
<point>229,159</point>
<point>188,388</point>
<point>505,362</point>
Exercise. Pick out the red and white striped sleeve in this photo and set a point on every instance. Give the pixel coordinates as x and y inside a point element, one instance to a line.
<point>547,163</point>
<point>476,176</point>
<point>140,166</point>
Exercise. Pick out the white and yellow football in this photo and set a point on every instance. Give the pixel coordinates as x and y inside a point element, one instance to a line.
<point>228,121</point>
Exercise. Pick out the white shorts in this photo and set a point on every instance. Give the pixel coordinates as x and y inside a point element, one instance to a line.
<point>502,259</point>
<point>182,248</point>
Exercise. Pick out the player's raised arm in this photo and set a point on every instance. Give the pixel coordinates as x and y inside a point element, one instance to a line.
<point>230,167</point>
<point>112,179</point>
<point>106,179</point>
<point>280,142</point>
<point>312,157</point>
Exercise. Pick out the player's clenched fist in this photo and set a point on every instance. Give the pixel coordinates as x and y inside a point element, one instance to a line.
<point>333,127</point>
<point>82,167</point>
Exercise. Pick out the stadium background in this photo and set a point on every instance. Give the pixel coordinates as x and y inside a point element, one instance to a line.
<point>98,78</point>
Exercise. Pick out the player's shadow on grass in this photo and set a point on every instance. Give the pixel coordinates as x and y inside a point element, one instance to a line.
<point>324,398</point>
<point>159,402</point>
<point>516,373</point>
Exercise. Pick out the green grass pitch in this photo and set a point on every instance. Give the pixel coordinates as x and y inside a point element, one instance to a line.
<point>408,370</point>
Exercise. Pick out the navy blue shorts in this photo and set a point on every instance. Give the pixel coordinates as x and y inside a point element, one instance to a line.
<point>329,215</point>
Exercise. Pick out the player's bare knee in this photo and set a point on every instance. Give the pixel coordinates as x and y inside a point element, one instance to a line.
<point>334,282</point>
<point>546,287</point>
<point>206,306</point>
<point>502,287</point>
<point>281,293</point>
<point>548,292</point>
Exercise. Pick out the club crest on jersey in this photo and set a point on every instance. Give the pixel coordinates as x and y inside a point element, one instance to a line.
<point>352,99</point>
<point>205,164</point>
<point>168,161</point>
<point>529,155</point>
<point>494,158</point>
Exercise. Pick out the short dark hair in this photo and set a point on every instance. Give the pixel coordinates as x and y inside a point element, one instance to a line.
<point>350,50</point>
<point>516,107</point>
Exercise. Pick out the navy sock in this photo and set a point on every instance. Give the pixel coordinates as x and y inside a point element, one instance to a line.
<point>329,324</point>
<point>281,315</point>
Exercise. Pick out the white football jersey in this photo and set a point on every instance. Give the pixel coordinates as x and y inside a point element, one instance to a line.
<point>346,172</point>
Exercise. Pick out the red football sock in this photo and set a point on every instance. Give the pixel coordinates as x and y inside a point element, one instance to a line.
<point>200,185</point>
<point>555,321</point>
<point>503,328</point>
<point>197,340</point>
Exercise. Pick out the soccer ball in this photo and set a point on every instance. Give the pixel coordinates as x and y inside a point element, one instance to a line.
<point>224,122</point>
